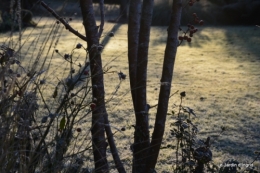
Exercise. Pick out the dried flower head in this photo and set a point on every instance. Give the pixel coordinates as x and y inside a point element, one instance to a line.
<point>78,46</point>
<point>121,76</point>
<point>66,56</point>
<point>111,34</point>
<point>183,94</point>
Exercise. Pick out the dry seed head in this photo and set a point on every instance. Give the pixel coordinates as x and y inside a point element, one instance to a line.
<point>66,56</point>
<point>10,71</point>
<point>78,46</point>
<point>44,119</point>
<point>43,81</point>
<point>111,34</point>
<point>183,94</point>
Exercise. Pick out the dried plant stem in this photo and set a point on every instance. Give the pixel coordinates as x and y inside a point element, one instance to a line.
<point>63,21</point>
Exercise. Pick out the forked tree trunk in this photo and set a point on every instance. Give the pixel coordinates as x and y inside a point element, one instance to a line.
<point>99,144</point>
<point>142,135</point>
<point>165,89</point>
<point>145,155</point>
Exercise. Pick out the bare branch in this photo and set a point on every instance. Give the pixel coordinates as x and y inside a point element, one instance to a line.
<point>101,6</point>
<point>63,21</point>
<point>119,165</point>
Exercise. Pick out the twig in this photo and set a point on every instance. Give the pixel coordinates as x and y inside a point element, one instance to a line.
<point>174,93</point>
<point>109,133</point>
<point>101,6</point>
<point>169,97</point>
<point>63,21</point>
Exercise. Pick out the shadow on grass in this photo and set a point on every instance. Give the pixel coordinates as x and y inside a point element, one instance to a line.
<point>247,37</point>
<point>239,141</point>
<point>240,42</point>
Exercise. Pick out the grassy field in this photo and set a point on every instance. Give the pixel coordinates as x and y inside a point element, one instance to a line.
<point>219,70</point>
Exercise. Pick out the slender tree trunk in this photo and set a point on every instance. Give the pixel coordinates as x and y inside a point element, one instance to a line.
<point>142,135</point>
<point>98,130</point>
<point>165,89</point>
<point>133,43</point>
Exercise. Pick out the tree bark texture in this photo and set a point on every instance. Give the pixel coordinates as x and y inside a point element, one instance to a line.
<point>99,144</point>
<point>165,89</point>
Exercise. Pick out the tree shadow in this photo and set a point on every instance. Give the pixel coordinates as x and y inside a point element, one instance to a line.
<point>241,143</point>
<point>247,38</point>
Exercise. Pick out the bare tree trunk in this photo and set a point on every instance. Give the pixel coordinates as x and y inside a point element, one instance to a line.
<point>142,135</point>
<point>98,130</point>
<point>133,43</point>
<point>165,89</point>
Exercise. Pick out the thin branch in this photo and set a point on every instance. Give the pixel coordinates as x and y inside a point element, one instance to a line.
<point>101,6</point>
<point>174,93</point>
<point>119,165</point>
<point>63,21</point>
